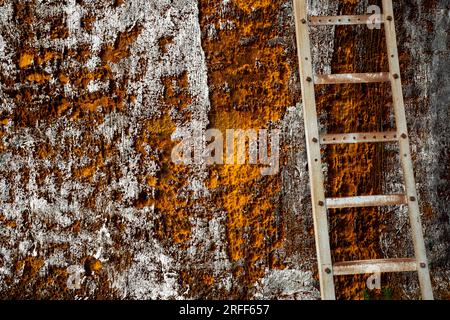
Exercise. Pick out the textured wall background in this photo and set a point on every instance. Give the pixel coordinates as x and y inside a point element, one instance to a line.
<point>93,95</point>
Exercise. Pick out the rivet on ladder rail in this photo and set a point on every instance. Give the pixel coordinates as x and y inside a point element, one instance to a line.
<point>321,203</point>
<point>423,265</point>
<point>404,136</point>
<point>389,18</point>
<point>309,79</point>
<point>303,21</point>
<point>412,198</point>
<point>315,140</point>
<point>328,270</point>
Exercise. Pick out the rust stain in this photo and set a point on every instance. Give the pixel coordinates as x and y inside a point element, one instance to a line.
<point>26,59</point>
<point>8,223</point>
<point>121,48</point>
<point>91,265</point>
<point>87,22</point>
<point>118,3</point>
<point>163,42</point>
<point>5,121</point>
<point>252,5</point>
<point>30,267</point>
<point>48,56</point>
<point>176,92</point>
<point>24,11</point>
<point>38,77</point>
<point>89,108</point>
<point>172,224</point>
<point>249,88</point>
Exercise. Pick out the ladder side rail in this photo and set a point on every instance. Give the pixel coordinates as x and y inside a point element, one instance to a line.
<point>405,152</point>
<point>314,156</point>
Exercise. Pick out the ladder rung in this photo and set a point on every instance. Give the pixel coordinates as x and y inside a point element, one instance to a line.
<point>352,78</point>
<point>369,137</point>
<point>345,20</point>
<point>373,266</point>
<point>366,201</point>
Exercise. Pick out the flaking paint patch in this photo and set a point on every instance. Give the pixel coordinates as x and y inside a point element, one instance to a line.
<point>287,285</point>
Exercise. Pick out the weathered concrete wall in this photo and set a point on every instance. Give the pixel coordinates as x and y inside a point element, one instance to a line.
<point>425,44</point>
<point>94,94</point>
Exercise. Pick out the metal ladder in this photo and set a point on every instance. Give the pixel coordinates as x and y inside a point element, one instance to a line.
<point>314,140</point>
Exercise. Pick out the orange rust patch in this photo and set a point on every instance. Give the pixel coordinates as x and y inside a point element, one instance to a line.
<point>7,223</point>
<point>44,151</point>
<point>38,77</point>
<point>47,56</point>
<point>172,225</point>
<point>63,78</point>
<point>26,59</point>
<point>252,5</point>
<point>427,210</point>
<point>87,22</point>
<point>121,48</point>
<point>249,88</point>
<point>118,3</point>
<point>30,266</point>
<point>152,181</point>
<point>92,265</point>
<point>59,29</point>
<point>156,133</point>
<point>87,172</point>
<point>98,164</point>
<point>82,54</point>
<point>63,107</point>
<point>91,103</point>
<point>208,280</point>
<point>163,42</point>
<point>174,212</point>
<point>176,91</point>
<point>85,76</point>
<point>24,11</point>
